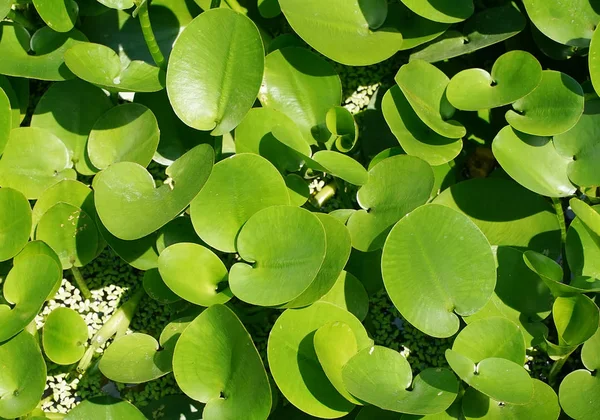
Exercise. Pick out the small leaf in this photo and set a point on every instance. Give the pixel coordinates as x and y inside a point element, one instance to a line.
<point>64,336</point>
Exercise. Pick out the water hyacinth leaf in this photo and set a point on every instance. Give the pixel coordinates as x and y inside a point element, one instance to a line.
<point>382,376</point>
<point>101,66</point>
<point>508,214</point>
<point>544,404</point>
<point>6,116</point>
<point>594,60</point>
<point>298,189</point>
<point>533,162</point>
<point>126,133</point>
<point>285,258</point>
<point>15,219</point>
<point>105,408</point>
<point>337,252</point>
<point>131,207</point>
<point>64,336</point>
<point>387,197</point>
<point>570,23</point>
<point>303,86</point>
<point>139,253</point>
<point>576,319</point>
<point>341,166</point>
<point>579,394</point>
<point>230,377</point>
<point>340,31</point>
<point>23,376</point>
<point>424,87</point>
<point>215,98</point>
<point>349,293</point>
<point>335,344</point>
<point>33,160</point>
<point>58,15</point>
<point>156,288</point>
<point>552,108</point>
<point>70,232</point>
<point>48,63</point>
<point>26,288</point>
<point>581,144</point>
<point>440,11</point>
<point>483,29</point>
<point>294,363</point>
<point>514,75</point>
<point>583,249</point>
<point>237,188</point>
<point>415,137</point>
<point>194,273</point>
<point>69,110</point>
<point>430,285</point>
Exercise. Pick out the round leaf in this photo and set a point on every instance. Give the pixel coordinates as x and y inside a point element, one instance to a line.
<point>441,11</point>
<point>349,293</point>
<point>576,319</point>
<point>15,222</point>
<point>105,408</point>
<point>58,15</point>
<point>65,336</point>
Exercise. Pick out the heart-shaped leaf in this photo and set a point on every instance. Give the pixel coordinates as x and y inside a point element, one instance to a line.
<point>576,319</point>
<point>23,375</point>
<point>65,336</point>
<point>533,162</point>
<point>294,363</point>
<point>58,15</point>
<point>583,249</point>
<point>285,257</point>
<point>101,66</point>
<point>433,268</point>
<point>33,160</point>
<point>130,206</point>
<point>156,288</point>
<point>303,86</point>
<point>216,97</point>
<point>340,30</point>
<point>382,376</point>
<point>126,133</point>
<point>424,87</point>
<point>105,408</point>
<point>15,222</point>
<point>552,108</point>
<point>342,166</point>
<point>515,74</point>
<point>441,11</point>
<point>230,197</point>
<point>349,293</point>
<point>388,196</point>
<point>230,377</point>
<point>69,110</point>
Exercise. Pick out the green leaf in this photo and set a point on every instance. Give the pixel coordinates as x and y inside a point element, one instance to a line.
<point>583,249</point>
<point>126,133</point>
<point>424,87</point>
<point>237,188</point>
<point>515,74</point>
<point>156,288</point>
<point>349,293</point>
<point>180,229</point>
<point>33,160</point>
<point>294,363</point>
<point>283,248</point>
<point>105,408</point>
<point>395,187</point>
<point>594,58</point>
<point>342,166</point>
<point>139,253</point>
<point>341,123</point>
<point>6,117</point>
<point>441,11</point>
<point>436,264</point>
<point>5,6</point>
<point>298,189</point>
<point>58,15</point>
<point>215,98</point>
<point>588,216</point>
<point>533,162</point>
<point>100,65</point>
<point>229,375</point>
<point>23,376</point>
<point>15,222</point>
<point>69,110</point>
<point>382,376</point>
<point>579,395</point>
<point>576,319</point>
<point>64,336</point>
<point>118,4</point>
<point>130,206</point>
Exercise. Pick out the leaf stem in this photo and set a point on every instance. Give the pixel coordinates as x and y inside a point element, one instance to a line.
<point>21,19</point>
<point>81,283</point>
<point>560,215</point>
<point>556,368</point>
<point>326,193</point>
<point>149,37</point>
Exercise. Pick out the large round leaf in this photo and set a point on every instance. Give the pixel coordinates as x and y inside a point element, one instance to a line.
<point>69,110</point>
<point>285,247</point>
<point>533,162</point>
<point>15,220</point>
<point>442,11</point>
<point>194,273</point>
<point>237,188</point>
<point>552,108</point>
<point>294,363</point>
<point>22,377</point>
<point>303,86</point>
<point>382,376</point>
<point>228,374</point>
<point>126,133</point>
<point>579,395</point>
<point>515,74</point>
<point>58,15</point>
<point>130,206</point>
<point>105,408</point>
<point>217,95</point>
<point>33,160</point>
<point>65,336</point>
<point>340,30</point>
<point>437,262</point>
<point>395,187</point>
<point>576,319</point>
